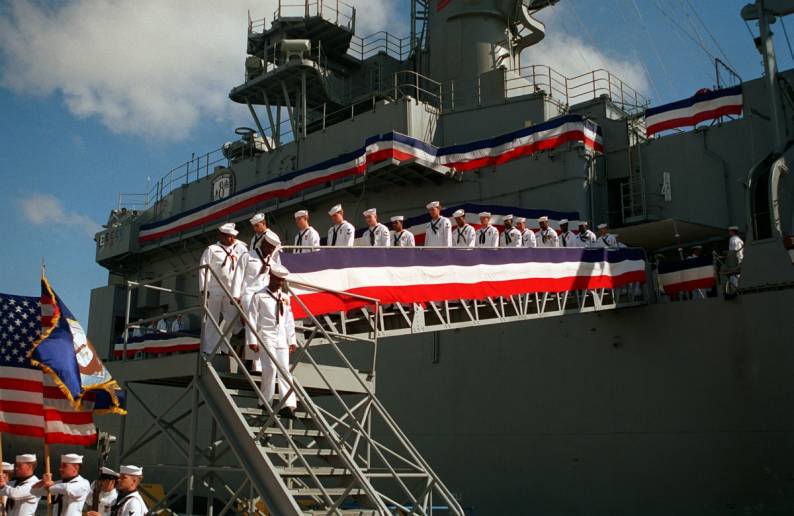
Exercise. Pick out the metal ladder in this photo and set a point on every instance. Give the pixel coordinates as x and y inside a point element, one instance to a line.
<point>342,454</point>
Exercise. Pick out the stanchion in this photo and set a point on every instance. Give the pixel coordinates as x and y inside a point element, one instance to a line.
<point>48,471</point>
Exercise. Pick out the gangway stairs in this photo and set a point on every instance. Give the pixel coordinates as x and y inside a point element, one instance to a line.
<point>341,454</point>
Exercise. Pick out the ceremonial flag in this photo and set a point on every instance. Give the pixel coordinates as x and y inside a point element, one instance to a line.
<point>417,275</point>
<point>64,352</point>
<point>686,275</point>
<point>31,404</point>
<point>704,105</point>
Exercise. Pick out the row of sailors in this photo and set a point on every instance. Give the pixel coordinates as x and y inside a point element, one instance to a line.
<point>118,492</point>
<point>439,232</point>
<point>176,325</point>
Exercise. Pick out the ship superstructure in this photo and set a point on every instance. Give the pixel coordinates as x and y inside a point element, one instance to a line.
<point>554,405</point>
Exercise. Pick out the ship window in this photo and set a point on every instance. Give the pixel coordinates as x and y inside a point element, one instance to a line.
<point>762,224</point>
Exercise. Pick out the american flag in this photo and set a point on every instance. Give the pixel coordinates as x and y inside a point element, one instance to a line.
<point>30,402</point>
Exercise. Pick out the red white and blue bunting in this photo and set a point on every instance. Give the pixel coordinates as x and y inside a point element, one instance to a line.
<point>704,105</point>
<point>397,148</point>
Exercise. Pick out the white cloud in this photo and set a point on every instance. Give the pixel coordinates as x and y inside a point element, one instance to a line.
<point>573,55</point>
<point>151,68</point>
<point>41,209</point>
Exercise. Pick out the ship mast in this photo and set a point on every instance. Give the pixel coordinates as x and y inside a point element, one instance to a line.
<point>766,11</point>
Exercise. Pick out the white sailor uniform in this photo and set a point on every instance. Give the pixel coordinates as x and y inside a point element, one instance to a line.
<point>736,245</point>
<point>403,239</point>
<point>223,261</point>
<point>69,496</point>
<point>20,501</point>
<point>251,276</point>
<point>510,238</point>
<point>377,236</point>
<point>271,315</point>
<point>107,499</point>
<point>568,239</point>
<point>487,236</point>
<point>438,233</point>
<point>547,238</point>
<point>586,238</point>
<point>130,504</point>
<point>608,240</point>
<point>463,236</point>
<point>528,238</point>
<point>309,237</point>
<point>341,235</point>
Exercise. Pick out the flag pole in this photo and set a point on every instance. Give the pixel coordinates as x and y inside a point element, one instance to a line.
<point>48,471</point>
<point>2,498</point>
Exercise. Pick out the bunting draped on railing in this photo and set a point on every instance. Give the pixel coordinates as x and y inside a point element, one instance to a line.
<point>686,275</point>
<point>704,105</point>
<point>397,148</point>
<point>417,275</point>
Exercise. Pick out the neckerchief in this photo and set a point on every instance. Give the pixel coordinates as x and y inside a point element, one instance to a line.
<point>120,502</point>
<point>397,237</point>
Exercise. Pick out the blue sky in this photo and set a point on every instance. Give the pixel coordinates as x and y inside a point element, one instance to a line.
<point>91,106</point>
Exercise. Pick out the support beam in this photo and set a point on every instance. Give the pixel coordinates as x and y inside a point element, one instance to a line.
<point>259,125</point>
<point>274,129</point>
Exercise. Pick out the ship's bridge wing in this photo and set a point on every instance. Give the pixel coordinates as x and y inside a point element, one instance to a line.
<point>663,234</point>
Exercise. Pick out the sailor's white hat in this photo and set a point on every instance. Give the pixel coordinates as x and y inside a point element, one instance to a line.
<point>582,222</point>
<point>335,209</point>
<point>484,214</point>
<point>563,221</point>
<point>71,458</point>
<point>272,238</point>
<point>109,472</point>
<point>228,229</point>
<point>520,220</point>
<point>301,213</point>
<point>26,457</point>
<point>259,217</point>
<point>733,228</point>
<point>543,219</point>
<point>507,217</point>
<point>129,469</point>
<point>7,466</point>
<point>371,211</point>
<point>602,226</point>
<point>697,247</point>
<point>397,218</point>
<point>279,270</point>
<point>458,213</point>
<point>433,204</point>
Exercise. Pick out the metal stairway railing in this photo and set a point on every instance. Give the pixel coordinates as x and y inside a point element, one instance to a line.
<point>329,454</point>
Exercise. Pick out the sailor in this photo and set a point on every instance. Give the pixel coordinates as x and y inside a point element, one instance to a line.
<point>585,238</point>
<point>307,236</point>
<point>438,232</point>
<point>567,238</point>
<point>376,234</point>
<point>162,326</point>
<point>735,248</point>
<point>463,235</point>
<point>696,252</point>
<point>252,275</point>
<point>510,237</point>
<point>399,236</point>
<point>259,224</point>
<point>546,237</point>
<point>177,325</point>
<point>527,235</point>
<point>8,469</point>
<point>106,483</point>
<point>20,500</point>
<point>341,233</point>
<point>736,244</point>
<point>605,238</point>
<point>271,315</point>
<point>70,492</point>
<point>221,258</point>
<point>487,235</point>
<point>130,502</point>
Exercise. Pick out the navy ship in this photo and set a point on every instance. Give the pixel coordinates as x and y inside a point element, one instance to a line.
<point>669,397</point>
